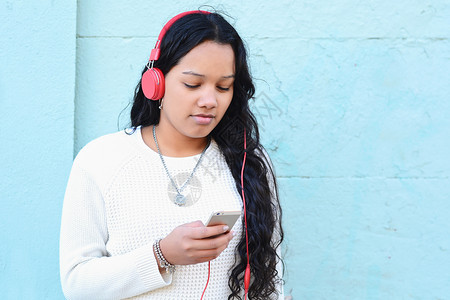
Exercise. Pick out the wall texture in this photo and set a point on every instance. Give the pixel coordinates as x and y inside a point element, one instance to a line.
<point>37,87</point>
<point>353,103</point>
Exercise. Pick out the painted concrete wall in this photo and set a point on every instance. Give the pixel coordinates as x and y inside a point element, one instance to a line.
<point>37,91</point>
<point>353,103</point>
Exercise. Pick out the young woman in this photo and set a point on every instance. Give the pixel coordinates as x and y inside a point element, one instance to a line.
<point>136,204</point>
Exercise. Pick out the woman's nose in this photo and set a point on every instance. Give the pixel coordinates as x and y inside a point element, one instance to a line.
<point>208,98</point>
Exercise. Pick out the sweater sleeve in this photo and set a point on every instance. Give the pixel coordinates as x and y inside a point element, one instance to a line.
<point>86,270</point>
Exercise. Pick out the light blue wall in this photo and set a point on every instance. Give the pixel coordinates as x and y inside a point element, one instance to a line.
<point>353,103</point>
<point>37,86</point>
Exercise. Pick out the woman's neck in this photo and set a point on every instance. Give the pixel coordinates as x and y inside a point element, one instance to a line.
<point>173,145</point>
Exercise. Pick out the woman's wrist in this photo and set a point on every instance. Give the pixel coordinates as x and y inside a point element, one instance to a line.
<point>163,263</point>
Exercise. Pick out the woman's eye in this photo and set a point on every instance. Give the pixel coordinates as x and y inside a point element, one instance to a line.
<point>190,86</point>
<point>223,88</point>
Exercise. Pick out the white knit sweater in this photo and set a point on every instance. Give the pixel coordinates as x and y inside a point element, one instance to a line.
<point>118,202</point>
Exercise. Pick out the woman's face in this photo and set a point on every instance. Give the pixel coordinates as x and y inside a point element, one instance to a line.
<point>198,91</point>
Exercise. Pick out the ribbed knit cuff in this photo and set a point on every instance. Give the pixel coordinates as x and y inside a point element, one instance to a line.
<point>148,269</point>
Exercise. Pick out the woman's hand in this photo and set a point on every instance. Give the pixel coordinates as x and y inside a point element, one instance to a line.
<point>194,243</point>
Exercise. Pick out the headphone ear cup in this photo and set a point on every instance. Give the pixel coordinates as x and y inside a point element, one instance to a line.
<point>153,84</point>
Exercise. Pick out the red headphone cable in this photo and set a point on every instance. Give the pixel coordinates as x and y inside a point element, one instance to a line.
<point>247,269</point>
<point>209,273</point>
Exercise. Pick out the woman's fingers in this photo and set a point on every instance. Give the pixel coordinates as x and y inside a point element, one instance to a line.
<point>194,243</point>
<point>207,232</point>
<point>194,224</point>
<point>212,243</point>
<point>200,256</point>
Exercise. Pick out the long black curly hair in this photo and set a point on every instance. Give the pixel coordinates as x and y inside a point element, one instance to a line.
<point>262,204</point>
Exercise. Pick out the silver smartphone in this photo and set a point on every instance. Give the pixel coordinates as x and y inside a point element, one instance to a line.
<point>223,217</point>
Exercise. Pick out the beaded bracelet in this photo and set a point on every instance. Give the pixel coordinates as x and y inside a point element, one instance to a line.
<point>163,263</point>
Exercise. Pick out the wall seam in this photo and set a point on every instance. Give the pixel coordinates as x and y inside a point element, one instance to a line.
<point>75,136</point>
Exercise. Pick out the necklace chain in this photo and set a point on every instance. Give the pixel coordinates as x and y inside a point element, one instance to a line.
<point>180,199</point>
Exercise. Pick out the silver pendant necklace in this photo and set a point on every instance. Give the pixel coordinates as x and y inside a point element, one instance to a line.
<point>180,199</point>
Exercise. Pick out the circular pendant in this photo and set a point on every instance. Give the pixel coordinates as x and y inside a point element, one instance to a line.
<point>180,200</point>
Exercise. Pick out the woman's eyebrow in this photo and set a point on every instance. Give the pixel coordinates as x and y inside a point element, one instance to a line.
<point>229,76</point>
<point>201,75</point>
<point>193,73</point>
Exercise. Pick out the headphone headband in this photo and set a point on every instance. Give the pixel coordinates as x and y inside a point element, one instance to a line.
<point>152,81</point>
<point>154,55</point>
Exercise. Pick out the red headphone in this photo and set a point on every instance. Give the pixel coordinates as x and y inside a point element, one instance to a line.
<point>152,83</point>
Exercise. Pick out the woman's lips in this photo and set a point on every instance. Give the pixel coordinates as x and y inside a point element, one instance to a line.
<point>202,119</point>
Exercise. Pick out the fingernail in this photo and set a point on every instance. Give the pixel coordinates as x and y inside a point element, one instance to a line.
<point>225,228</point>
